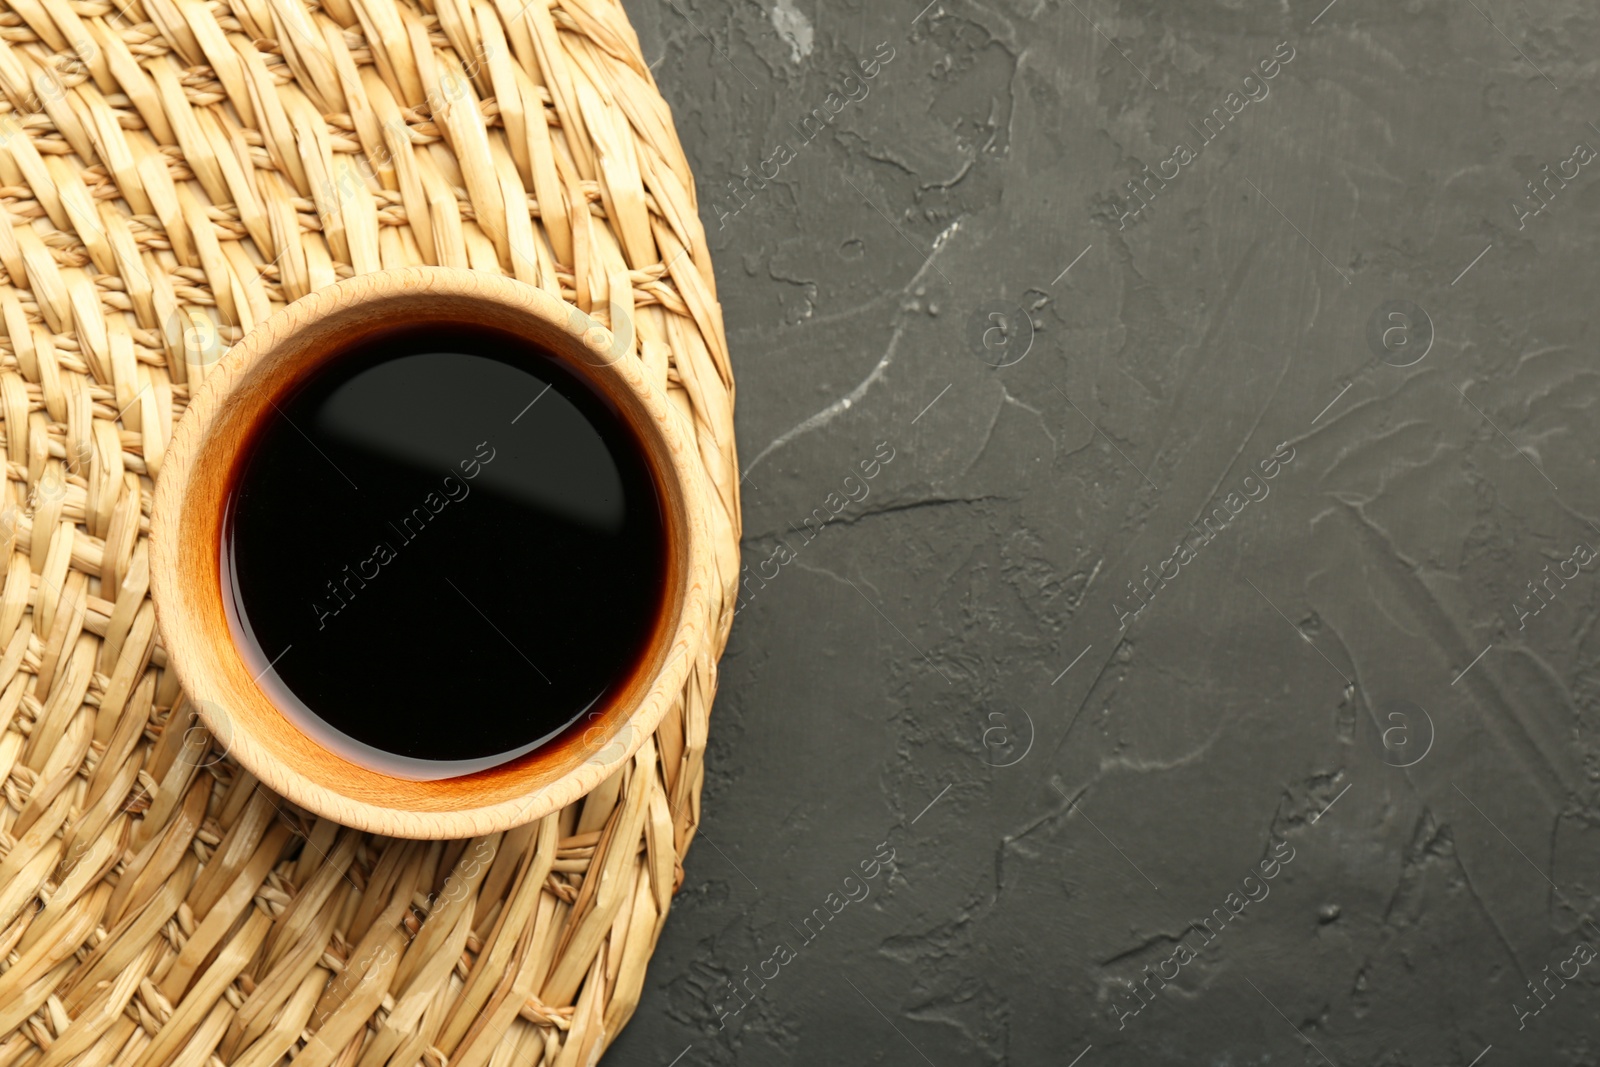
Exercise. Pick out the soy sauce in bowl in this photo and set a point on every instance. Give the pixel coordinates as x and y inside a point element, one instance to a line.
<point>441,550</point>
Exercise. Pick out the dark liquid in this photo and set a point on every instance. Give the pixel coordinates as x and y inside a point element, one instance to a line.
<point>441,550</point>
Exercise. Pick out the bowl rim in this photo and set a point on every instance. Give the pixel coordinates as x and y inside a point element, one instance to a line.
<point>186,606</point>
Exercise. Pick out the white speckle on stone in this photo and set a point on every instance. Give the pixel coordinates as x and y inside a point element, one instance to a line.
<point>838,407</point>
<point>793,26</point>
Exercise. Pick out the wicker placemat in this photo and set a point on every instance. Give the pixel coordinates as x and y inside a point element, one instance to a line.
<point>171,171</point>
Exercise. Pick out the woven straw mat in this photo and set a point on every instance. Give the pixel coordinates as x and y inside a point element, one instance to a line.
<point>172,171</point>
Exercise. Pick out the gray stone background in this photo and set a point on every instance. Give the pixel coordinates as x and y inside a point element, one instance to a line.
<point>1350,670</point>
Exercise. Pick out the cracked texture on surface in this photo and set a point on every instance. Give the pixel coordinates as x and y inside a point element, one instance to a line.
<point>953,637</point>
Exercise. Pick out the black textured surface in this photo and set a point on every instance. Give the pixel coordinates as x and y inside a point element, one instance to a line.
<point>1342,677</point>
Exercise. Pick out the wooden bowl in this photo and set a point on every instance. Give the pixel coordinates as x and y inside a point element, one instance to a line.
<point>186,526</point>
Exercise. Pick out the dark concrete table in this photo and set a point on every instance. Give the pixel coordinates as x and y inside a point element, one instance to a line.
<point>1170,519</point>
